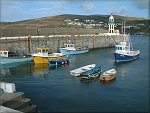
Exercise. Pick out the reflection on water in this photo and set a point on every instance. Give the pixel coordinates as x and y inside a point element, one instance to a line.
<point>16,69</point>
<point>122,68</point>
<point>41,69</point>
<point>27,69</point>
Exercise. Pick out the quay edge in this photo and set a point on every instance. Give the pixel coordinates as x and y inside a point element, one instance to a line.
<point>14,102</point>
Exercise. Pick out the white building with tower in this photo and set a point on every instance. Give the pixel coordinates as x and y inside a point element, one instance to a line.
<point>111,24</point>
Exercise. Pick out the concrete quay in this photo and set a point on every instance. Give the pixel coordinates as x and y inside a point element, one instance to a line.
<point>8,110</point>
<point>14,102</point>
<point>17,101</point>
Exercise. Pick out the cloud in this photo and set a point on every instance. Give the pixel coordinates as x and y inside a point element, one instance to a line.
<point>57,8</point>
<point>87,6</point>
<point>16,11</point>
<point>141,4</point>
<point>117,10</point>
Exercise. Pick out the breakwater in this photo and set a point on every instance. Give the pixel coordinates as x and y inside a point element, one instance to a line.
<point>28,44</point>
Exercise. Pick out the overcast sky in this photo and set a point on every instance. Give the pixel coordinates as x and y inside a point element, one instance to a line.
<point>17,10</point>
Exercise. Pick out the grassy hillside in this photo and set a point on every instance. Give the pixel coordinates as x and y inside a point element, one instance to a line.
<point>137,24</point>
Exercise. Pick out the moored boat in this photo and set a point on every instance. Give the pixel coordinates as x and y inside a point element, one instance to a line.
<point>123,52</point>
<point>6,58</point>
<point>43,56</point>
<point>79,71</point>
<point>91,74</point>
<point>70,49</point>
<point>92,71</point>
<point>59,62</point>
<point>108,75</point>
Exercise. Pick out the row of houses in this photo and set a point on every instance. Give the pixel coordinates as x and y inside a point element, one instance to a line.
<point>84,23</point>
<point>94,24</point>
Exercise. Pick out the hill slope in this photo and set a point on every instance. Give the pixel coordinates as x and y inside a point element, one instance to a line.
<point>70,20</point>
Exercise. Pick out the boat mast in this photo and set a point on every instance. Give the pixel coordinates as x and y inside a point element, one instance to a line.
<point>129,40</point>
<point>130,43</point>
<point>123,26</point>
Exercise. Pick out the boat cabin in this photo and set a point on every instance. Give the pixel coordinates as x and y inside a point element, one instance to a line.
<point>3,52</point>
<point>123,46</point>
<point>69,45</point>
<point>42,50</point>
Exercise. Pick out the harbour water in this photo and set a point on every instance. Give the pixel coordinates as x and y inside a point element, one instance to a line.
<point>55,90</point>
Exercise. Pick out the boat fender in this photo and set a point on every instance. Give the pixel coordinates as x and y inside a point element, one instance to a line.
<point>62,63</point>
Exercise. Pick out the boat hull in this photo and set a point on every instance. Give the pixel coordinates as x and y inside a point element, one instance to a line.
<point>72,52</point>
<point>102,78</point>
<point>59,62</point>
<point>108,75</point>
<point>40,59</point>
<point>121,57</point>
<point>79,71</point>
<point>10,60</point>
<point>90,77</point>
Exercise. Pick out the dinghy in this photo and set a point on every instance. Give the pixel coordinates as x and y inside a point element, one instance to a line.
<point>108,75</point>
<point>79,71</point>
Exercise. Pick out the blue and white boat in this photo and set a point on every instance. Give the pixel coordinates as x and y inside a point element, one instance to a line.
<point>5,58</point>
<point>92,71</point>
<point>70,49</point>
<point>59,62</point>
<point>91,74</point>
<point>125,53</point>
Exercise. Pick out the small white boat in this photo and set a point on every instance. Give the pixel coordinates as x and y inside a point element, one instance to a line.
<point>108,75</point>
<point>78,71</point>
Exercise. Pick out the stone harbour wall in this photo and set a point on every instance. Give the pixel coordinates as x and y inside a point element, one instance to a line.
<point>28,44</point>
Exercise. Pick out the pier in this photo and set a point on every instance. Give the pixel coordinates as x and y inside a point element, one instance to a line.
<point>28,44</point>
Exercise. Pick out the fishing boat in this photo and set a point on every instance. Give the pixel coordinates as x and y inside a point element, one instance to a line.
<point>91,74</point>
<point>124,52</point>
<point>79,71</point>
<point>43,56</point>
<point>70,49</point>
<point>7,57</point>
<point>108,75</point>
<point>59,62</point>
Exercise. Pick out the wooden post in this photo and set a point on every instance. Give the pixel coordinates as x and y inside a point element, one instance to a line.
<point>66,39</point>
<point>29,44</point>
<point>94,41</point>
<point>37,31</point>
